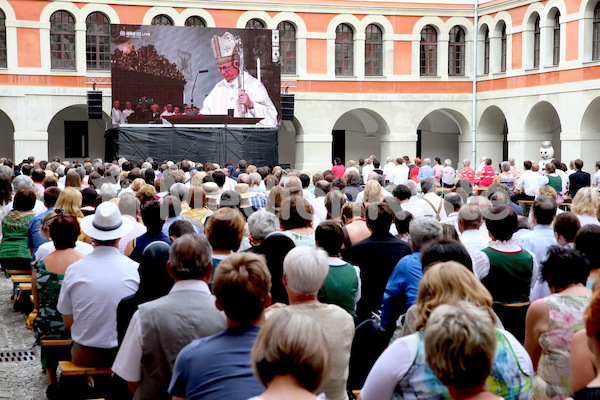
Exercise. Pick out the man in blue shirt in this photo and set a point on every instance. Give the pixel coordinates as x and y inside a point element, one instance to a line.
<point>219,366</point>
<point>403,285</point>
<point>426,171</point>
<point>34,238</point>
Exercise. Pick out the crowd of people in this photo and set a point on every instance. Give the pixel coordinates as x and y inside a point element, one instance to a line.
<point>195,280</point>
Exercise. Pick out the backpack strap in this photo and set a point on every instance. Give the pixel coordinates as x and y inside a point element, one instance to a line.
<point>437,212</point>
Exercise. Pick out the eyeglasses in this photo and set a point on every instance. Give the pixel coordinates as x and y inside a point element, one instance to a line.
<point>223,69</point>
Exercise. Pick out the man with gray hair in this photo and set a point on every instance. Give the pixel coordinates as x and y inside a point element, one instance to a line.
<point>452,204</point>
<point>403,285</point>
<point>431,204</point>
<point>267,239</point>
<point>159,329</point>
<point>388,169</point>
<point>129,206</point>
<point>260,200</point>
<point>304,272</point>
<point>25,182</point>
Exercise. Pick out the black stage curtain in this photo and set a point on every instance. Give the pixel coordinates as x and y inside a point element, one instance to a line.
<point>258,146</point>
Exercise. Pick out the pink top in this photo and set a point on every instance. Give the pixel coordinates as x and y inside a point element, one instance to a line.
<point>468,174</point>
<point>487,176</point>
<point>338,171</point>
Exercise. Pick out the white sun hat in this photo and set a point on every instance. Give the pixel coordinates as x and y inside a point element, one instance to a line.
<point>106,223</point>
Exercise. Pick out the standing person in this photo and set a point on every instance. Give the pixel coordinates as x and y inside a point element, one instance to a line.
<point>425,171</point>
<point>596,177</point>
<point>448,174</point>
<point>552,321</point>
<point>115,113</point>
<point>413,173</point>
<point>239,92</point>
<point>437,169</point>
<point>161,328</point>
<point>338,168</point>
<point>578,179</point>
<point>219,366</point>
<point>94,286</point>
<point>14,253</point>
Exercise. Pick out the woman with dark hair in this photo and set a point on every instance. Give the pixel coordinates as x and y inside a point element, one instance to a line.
<point>338,168</point>
<point>445,250</point>
<point>88,201</point>
<point>487,175</point>
<point>14,253</point>
<point>586,242</point>
<point>155,282</point>
<point>151,216</point>
<point>73,179</point>
<point>553,320</point>
<point>46,279</point>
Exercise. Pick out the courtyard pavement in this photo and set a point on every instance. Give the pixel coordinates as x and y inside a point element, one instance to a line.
<point>19,380</point>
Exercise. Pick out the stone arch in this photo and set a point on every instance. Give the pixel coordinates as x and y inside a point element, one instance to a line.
<point>438,134</point>
<point>72,135</point>
<point>248,15</point>
<point>357,133</point>
<point>198,12</point>
<point>7,136</point>
<point>288,132</point>
<point>171,12</point>
<point>107,10</point>
<point>492,135</point>
<point>543,123</point>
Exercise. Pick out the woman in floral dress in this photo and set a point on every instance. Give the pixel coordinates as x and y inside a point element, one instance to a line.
<point>47,277</point>
<point>552,321</point>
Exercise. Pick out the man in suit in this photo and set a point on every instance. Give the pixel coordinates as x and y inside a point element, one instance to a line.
<point>377,257</point>
<point>578,179</point>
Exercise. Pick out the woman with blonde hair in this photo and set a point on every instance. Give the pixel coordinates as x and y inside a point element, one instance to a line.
<point>291,357</point>
<point>402,372</point>
<point>197,201</point>
<point>372,193</point>
<point>145,194</point>
<point>70,201</point>
<point>586,205</point>
<point>198,178</point>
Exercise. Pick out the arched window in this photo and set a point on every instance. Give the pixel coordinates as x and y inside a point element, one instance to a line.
<point>195,21</point>
<point>97,41</point>
<point>255,24</point>
<point>456,52</point>
<point>62,40</point>
<point>428,58</point>
<point>162,19</point>
<point>503,42</point>
<point>556,39</point>
<point>287,44</point>
<point>486,51</point>
<point>344,50</point>
<point>373,51</point>
<point>596,37</point>
<point>2,40</point>
<point>536,43</point>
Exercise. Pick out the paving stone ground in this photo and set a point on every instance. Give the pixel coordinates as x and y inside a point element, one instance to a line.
<point>22,380</point>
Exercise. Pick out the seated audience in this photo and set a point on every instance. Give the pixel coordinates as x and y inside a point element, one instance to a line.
<point>291,357</point>
<point>401,371</point>
<point>552,321</point>
<point>219,366</point>
<point>224,231</point>
<point>152,218</point>
<point>460,343</point>
<point>304,271</point>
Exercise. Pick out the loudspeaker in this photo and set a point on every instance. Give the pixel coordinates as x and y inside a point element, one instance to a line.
<point>287,107</point>
<point>94,103</point>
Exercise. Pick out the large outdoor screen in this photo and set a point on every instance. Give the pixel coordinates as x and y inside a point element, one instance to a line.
<point>160,70</point>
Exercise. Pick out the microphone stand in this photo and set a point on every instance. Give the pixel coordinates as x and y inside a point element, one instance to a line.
<point>202,71</point>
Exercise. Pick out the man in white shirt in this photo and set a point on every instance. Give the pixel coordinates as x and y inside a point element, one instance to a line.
<point>94,286</point>
<point>367,168</point>
<point>431,204</point>
<point>528,183</point>
<point>115,113</point>
<point>470,219</point>
<point>400,173</point>
<point>452,202</point>
<point>388,168</point>
<point>126,113</point>
<point>596,177</point>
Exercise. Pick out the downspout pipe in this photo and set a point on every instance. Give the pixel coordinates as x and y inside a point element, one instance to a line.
<point>474,100</point>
